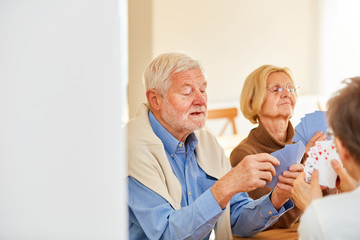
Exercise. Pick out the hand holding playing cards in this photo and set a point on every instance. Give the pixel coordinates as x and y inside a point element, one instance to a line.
<point>347,183</point>
<point>318,136</point>
<point>320,157</point>
<point>252,172</point>
<point>282,191</point>
<point>303,193</point>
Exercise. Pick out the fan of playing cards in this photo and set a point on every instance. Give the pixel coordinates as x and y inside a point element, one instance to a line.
<point>309,125</point>
<point>319,157</point>
<point>289,155</point>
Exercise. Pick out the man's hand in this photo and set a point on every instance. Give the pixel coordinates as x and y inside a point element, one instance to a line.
<point>282,191</point>
<point>251,173</point>
<point>347,183</point>
<point>303,193</point>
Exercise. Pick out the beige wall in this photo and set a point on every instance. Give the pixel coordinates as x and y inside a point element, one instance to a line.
<point>230,37</point>
<point>140,49</point>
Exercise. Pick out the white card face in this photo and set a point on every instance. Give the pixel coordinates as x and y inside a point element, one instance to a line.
<point>319,157</point>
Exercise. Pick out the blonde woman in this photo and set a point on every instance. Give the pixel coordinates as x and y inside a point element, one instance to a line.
<point>268,98</point>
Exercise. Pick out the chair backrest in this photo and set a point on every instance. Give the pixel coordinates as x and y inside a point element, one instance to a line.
<point>228,113</point>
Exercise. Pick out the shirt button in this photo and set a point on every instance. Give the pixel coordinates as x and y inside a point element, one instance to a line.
<point>180,145</point>
<point>189,193</point>
<point>172,155</point>
<point>270,212</point>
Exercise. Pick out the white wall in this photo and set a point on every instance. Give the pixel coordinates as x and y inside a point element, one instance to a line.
<point>339,49</point>
<point>61,155</point>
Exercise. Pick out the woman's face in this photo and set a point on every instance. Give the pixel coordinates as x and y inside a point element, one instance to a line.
<point>278,104</point>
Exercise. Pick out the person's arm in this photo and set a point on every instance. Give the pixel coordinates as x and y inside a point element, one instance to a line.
<point>152,215</point>
<point>249,217</point>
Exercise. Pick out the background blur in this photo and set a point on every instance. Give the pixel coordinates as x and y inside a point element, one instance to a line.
<point>317,39</point>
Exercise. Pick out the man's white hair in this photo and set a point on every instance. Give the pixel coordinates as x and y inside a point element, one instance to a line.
<point>157,74</point>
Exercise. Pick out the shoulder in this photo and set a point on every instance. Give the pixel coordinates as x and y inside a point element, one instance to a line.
<point>242,150</point>
<point>309,228</point>
<point>139,130</point>
<point>207,140</point>
<point>210,155</point>
<point>331,217</point>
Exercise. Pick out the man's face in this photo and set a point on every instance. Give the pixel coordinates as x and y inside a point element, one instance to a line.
<point>184,108</point>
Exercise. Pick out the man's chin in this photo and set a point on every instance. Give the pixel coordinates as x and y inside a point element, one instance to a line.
<point>198,126</point>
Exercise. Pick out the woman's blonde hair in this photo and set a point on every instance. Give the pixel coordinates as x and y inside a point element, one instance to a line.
<point>255,89</point>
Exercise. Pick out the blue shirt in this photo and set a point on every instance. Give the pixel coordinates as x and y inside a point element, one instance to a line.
<point>152,217</point>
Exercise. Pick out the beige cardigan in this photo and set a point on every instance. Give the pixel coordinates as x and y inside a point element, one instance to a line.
<point>148,163</point>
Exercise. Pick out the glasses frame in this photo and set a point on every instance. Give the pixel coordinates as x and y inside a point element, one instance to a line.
<point>293,91</point>
<point>330,134</point>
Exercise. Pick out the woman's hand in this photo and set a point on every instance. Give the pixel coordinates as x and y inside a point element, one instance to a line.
<point>318,136</point>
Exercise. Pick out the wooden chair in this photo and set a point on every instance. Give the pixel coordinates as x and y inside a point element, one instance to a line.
<point>228,113</point>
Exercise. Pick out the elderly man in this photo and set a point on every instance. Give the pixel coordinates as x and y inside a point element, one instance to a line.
<point>335,216</point>
<point>181,185</point>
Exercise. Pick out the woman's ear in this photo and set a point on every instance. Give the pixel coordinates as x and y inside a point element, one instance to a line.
<point>154,99</point>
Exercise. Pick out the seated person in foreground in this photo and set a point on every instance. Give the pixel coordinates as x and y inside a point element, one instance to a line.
<point>181,185</point>
<point>336,216</point>
<point>268,98</point>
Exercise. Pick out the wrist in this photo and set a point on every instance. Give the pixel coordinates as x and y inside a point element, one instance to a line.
<point>222,193</point>
<point>277,201</point>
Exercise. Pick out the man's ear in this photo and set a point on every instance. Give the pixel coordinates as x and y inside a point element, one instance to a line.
<point>154,99</point>
<point>343,152</point>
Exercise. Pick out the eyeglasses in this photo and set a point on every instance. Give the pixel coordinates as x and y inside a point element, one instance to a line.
<point>277,88</point>
<point>330,133</point>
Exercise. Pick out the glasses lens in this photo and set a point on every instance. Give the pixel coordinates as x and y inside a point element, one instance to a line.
<point>291,88</point>
<point>330,133</point>
<point>275,88</point>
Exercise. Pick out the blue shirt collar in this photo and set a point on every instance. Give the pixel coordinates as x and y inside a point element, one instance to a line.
<point>169,141</point>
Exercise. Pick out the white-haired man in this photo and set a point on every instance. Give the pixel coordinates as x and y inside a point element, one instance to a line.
<point>181,185</point>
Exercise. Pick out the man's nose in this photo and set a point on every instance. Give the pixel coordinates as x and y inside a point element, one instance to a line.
<point>200,98</point>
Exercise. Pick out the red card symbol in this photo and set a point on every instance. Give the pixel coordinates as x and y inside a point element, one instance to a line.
<point>320,153</point>
<point>332,147</point>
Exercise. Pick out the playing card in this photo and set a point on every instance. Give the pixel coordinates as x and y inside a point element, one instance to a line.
<point>309,125</point>
<point>299,134</point>
<point>315,122</point>
<point>319,157</point>
<point>289,155</point>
